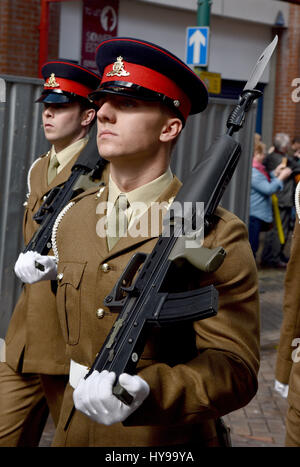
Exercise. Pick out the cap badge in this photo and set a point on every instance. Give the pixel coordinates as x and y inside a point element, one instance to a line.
<point>118,68</point>
<point>51,82</point>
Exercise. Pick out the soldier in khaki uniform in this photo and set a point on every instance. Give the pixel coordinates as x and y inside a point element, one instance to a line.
<point>188,375</point>
<point>33,376</point>
<point>287,371</point>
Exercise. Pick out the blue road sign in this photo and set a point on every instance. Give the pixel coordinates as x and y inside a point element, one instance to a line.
<point>197,39</point>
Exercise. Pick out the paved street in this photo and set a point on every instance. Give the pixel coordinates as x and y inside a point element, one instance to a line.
<point>261,422</point>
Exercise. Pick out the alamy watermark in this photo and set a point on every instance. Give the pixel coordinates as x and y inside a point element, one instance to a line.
<point>179,219</point>
<point>296,352</point>
<point>296,92</point>
<point>2,90</point>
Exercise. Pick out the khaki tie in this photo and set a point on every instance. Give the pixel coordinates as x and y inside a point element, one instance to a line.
<point>117,221</point>
<point>52,169</point>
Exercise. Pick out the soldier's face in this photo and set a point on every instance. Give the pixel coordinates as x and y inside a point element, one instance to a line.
<point>62,122</point>
<point>129,128</point>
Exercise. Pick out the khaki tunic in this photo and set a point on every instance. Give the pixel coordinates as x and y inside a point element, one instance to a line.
<point>290,328</point>
<point>196,372</point>
<point>288,355</point>
<point>287,368</point>
<point>34,342</point>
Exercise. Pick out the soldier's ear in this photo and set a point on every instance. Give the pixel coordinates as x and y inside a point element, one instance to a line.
<point>87,116</point>
<point>171,129</point>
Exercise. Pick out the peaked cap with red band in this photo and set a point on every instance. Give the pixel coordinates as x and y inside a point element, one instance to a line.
<point>66,82</point>
<point>147,71</point>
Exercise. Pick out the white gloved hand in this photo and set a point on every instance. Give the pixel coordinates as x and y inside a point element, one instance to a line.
<point>93,396</point>
<point>27,267</point>
<point>283,389</point>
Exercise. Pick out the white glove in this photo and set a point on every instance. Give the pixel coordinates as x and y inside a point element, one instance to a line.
<point>283,389</point>
<point>93,396</point>
<point>28,267</point>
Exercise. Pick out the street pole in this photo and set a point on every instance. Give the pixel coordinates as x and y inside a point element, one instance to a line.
<point>203,17</point>
<point>203,12</point>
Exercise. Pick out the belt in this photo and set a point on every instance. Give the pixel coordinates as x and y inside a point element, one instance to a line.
<point>77,372</point>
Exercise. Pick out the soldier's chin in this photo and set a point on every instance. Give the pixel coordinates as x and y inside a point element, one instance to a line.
<point>49,132</point>
<point>106,151</point>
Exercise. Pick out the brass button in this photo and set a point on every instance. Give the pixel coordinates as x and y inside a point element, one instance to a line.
<point>60,276</point>
<point>100,313</point>
<point>44,198</point>
<point>105,267</point>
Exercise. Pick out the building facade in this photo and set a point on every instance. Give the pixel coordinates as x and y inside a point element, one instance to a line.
<point>239,31</point>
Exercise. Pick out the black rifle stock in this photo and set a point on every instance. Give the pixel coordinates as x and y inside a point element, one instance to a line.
<point>142,304</point>
<point>86,173</point>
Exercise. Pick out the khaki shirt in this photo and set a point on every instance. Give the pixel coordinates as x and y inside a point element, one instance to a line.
<point>67,154</point>
<point>145,194</point>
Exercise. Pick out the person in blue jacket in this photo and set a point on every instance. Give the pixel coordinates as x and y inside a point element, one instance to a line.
<point>263,185</point>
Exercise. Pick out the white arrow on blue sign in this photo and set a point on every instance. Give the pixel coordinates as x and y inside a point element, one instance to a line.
<point>197,39</point>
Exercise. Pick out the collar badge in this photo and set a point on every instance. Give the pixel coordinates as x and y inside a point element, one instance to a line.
<point>51,82</point>
<point>118,68</point>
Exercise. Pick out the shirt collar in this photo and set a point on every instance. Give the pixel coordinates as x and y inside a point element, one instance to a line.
<point>68,153</point>
<point>146,194</point>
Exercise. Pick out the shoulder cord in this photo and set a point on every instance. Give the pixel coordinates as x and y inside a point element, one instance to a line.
<point>58,220</point>
<point>297,200</point>
<point>29,174</point>
<point>55,228</point>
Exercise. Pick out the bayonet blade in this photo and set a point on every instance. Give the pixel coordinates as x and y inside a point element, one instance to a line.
<point>261,65</point>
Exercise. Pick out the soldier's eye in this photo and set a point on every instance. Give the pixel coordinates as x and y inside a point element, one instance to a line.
<point>128,103</point>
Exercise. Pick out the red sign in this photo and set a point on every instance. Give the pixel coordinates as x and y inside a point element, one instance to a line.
<point>99,22</point>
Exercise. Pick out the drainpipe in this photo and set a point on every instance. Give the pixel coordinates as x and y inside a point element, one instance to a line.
<point>44,29</point>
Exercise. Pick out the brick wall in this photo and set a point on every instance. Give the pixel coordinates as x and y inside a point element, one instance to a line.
<point>287,112</point>
<point>19,36</point>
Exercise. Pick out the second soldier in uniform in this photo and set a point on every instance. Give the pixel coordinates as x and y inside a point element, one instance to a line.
<point>34,375</point>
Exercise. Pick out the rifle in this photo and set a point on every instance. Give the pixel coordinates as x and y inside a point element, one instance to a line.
<point>85,173</point>
<point>143,303</point>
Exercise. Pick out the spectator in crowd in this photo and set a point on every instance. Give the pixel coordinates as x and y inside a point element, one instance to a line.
<point>257,139</point>
<point>295,148</point>
<point>273,251</point>
<point>263,185</point>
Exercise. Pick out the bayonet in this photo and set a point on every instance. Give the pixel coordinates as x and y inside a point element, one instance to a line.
<point>249,94</point>
<point>260,65</point>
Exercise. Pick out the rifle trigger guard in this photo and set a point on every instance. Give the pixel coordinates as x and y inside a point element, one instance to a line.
<point>47,205</point>
<point>116,297</point>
